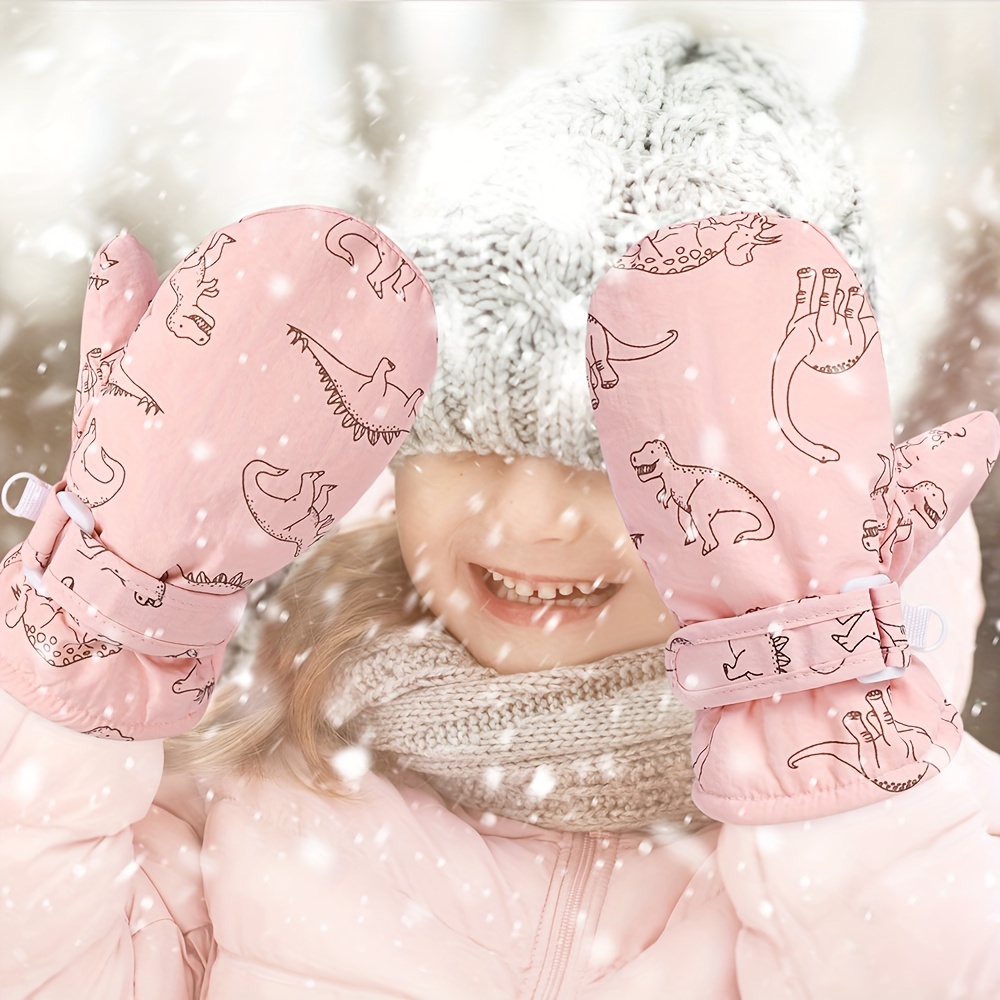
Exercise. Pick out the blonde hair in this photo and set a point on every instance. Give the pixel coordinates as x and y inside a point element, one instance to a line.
<point>268,716</point>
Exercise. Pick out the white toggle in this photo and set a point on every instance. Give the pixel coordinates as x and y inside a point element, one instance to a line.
<point>35,579</point>
<point>32,499</point>
<point>865,583</point>
<point>81,515</point>
<point>870,583</point>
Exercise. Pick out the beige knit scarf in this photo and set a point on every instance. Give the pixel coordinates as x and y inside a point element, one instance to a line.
<point>603,746</point>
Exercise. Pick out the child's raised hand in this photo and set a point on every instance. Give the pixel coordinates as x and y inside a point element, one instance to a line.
<point>754,460</point>
<point>217,434</point>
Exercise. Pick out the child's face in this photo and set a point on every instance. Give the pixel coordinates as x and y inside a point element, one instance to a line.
<point>571,586</point>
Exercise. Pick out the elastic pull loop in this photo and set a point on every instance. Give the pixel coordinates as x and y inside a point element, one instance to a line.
<point>916,618</point>
<point>32,499</point>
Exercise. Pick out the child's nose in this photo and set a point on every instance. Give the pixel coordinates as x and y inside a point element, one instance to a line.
<point>536,500</point>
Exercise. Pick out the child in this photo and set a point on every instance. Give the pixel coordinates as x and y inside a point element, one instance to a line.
<point>417,790</point>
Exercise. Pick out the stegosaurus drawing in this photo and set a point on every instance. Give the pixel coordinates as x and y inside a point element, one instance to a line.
<point>370,404</point>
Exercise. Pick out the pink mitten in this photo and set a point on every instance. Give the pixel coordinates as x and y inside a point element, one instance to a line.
<point>748,438</point>
<point>217,434</point>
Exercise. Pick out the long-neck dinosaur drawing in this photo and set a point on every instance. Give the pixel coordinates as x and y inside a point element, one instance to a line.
<point>603,347</point>
<point>94,475</point>
<point>683,248</point>
<point>381,264</point>
<point>297,518</point>
<point>370,404</point>
<point>829,336</point>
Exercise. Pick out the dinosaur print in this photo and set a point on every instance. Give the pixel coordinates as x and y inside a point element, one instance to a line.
<point>917,449</point>
<point>730,668</point>
<point>190,284</point>
<point>603,347</point>
<point>701,494</point>
<point>371,405</point>
<point>49,630</point>
<point>925,499</point>
<point>199,680</point>
<point>220,583</point>
<point>381,263</point>
<point>108,733</point>
<point>781,659</point>
<point>95,476</point>
<point>880,745</point>
<point>693,244</point>
<point>143,593</point>
<point>873,626</point>
<point>829,336</point>
<point>95,281</point>
<point>297,518</point>
<point>103,374</point>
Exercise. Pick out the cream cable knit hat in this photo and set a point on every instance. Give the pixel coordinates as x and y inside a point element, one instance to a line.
<point>555,178</point>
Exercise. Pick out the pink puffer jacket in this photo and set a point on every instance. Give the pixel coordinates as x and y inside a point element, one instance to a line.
<point>250,890</point>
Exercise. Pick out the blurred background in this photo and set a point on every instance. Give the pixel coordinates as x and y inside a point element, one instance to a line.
<point>172,118</point>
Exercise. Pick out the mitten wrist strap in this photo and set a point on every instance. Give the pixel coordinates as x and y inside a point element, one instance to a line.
<point>796,646</point>
<point>95,585</point>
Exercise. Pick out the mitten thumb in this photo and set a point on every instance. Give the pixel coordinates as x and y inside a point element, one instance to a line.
<point>121,284</point>
<point>929,483</point>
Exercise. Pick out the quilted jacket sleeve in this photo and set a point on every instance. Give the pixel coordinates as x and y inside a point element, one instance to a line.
<point>899,899</point>
<point>101,891</point>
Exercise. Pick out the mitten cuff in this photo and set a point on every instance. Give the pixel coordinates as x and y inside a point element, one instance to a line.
<point>80,574</point>
<point>816,753</point>
<point>797,646</point>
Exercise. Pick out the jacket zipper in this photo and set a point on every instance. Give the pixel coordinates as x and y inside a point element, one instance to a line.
<point>576,881</point>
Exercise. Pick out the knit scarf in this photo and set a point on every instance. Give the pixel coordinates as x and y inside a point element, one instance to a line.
<point>598,747</point>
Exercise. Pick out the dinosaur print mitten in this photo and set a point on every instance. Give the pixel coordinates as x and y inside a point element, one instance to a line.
<point>741,401</point>
<point>224,422</point>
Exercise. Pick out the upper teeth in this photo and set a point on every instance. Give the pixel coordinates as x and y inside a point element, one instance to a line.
<point>547,591</point>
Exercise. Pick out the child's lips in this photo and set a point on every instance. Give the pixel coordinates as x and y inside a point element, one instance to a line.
<point>583,601</point>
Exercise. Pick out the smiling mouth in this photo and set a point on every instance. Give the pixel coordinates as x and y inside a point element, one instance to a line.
<point>554,594</point>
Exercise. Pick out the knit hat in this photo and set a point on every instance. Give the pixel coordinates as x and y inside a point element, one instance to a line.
<point>555,178</point>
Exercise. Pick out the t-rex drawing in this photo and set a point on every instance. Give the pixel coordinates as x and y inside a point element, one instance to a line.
<point>603,347</point>
<point>104,375</point>
<point>701,494</point>
<point>829,336</point>
<point>370,404</point>
<point>95,477</point>
<point>95,281</point>
<point>880,745</point>
<point>693,244</point>
<point>146,593</point>
<point>297,518</point>
<point>190,284</point>
<point>382,264</point>
<point>925,499</point>
<point>54,636</point>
